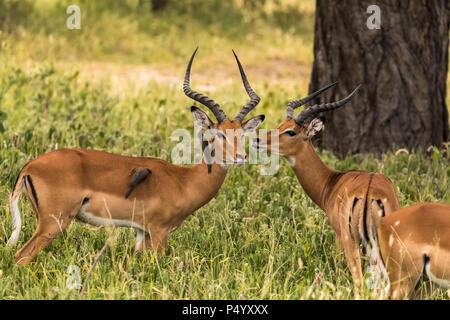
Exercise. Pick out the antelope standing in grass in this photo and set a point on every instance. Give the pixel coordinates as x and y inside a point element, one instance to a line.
<point>415,241</point>
<point>354,201</point>
<point>148,194</point>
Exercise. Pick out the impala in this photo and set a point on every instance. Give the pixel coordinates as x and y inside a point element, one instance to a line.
<point>352,200</point>
<point>415,241</point>
<point>148,194</point>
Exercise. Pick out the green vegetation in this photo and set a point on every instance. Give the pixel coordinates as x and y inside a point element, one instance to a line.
<point>115,85</point>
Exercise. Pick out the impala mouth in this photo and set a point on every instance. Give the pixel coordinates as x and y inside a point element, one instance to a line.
<point>259,147</point>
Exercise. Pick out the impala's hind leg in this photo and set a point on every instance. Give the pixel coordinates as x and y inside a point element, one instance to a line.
<point>46,231</point>
<point>50,223</point>
<point>351,252</point>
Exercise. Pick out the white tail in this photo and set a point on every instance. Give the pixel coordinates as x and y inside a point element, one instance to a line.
<point>17,221</point>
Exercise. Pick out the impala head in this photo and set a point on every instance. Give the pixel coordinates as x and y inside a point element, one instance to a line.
<point>294,133</point>
<point>224,137</point>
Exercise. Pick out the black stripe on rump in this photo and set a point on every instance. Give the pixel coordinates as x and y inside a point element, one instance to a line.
<point>366,232</point>
<point>28,181</point>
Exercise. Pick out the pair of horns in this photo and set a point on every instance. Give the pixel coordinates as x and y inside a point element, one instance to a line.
<point>211,104</point>
<point>304,116</point>
<point>313,111</point>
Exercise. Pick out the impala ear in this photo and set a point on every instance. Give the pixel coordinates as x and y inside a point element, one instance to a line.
<point>201,118</point>
<point>314,128</point>
<point>253,123</point>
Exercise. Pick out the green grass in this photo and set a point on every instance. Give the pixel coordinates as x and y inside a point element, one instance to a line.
<point>261,237</point>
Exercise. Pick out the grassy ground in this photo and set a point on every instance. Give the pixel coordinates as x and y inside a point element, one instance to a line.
<point>115,85</point>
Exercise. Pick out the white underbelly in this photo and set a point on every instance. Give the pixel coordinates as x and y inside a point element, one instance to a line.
<point>87,217</point>
<point>444,283</point>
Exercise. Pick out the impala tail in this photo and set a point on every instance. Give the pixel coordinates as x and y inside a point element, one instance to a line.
<point>23,180</point>
<point>15,213</point>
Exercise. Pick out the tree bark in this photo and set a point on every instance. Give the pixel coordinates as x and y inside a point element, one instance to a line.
<point>402,67</point>
<point>159,5</point>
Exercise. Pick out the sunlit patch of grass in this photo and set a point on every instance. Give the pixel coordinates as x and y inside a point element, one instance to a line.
<point>261,237</point>
<point>115,85</point>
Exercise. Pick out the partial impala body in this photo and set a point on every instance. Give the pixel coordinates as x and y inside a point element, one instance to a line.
<point>148,194</point>
<point>415,241</point>
<point>354,201</point>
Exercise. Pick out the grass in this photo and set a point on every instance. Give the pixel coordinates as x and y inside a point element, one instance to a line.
<point>118,89</point>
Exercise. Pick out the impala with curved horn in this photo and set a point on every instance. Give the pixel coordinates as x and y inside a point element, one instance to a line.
<point>148,194</point>
<point>352,200</point>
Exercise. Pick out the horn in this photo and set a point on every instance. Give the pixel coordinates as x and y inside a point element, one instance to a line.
<point>313,111</point>
<point>199,97</point>
<point>254,99</point>
<point>298,103</point>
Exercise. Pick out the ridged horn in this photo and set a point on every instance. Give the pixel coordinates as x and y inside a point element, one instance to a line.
<point>254,98</point>
<point>199,97</point>
<point>298,103</point>
<point>313,111</point>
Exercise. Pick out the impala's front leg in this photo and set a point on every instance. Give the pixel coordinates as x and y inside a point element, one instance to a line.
<point>140,240</point>
<point>155,239</point>
<point>158,237</point>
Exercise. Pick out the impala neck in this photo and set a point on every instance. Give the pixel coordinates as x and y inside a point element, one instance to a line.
<point>200,186</point>
<point>314,176</point>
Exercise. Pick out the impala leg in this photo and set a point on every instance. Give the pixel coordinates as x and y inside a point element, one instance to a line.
<point>46,231</point>
<point>155,239</point>
<point>352,255</point>
<point>402,278</point>
<point>354,262</point>
<point>140,238</point>
<point>158,237</point>
<point>143,241</point>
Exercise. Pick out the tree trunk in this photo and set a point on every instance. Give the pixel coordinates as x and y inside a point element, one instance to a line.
<point>159,5</point>
<point>402,67</point>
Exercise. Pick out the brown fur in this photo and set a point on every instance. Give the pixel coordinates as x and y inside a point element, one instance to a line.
<point>335,192</point>
<point>408,238</point>
<point>66,180</point>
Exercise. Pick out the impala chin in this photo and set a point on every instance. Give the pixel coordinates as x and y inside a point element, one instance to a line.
<point>227,164</point>
<point>290,160</point>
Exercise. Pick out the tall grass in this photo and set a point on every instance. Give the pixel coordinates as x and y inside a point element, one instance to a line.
<point>261,237</point>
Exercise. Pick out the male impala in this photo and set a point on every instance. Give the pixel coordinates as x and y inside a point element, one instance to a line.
<point>350,199</point>
<point>148,194</point>
<point>415,241</point>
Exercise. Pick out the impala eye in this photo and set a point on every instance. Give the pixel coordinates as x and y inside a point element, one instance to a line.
<point>290,133</point>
